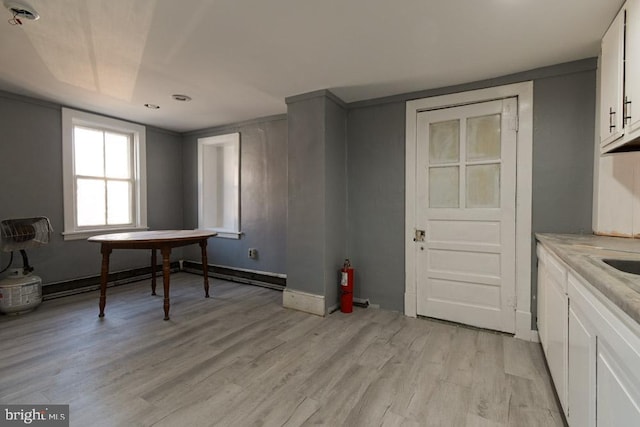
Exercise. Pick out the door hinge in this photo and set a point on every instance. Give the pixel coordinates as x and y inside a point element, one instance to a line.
<point>513,123</point>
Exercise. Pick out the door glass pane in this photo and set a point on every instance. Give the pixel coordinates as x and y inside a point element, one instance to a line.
<point>90,202</point>
<point>444,142</point>
<point>483,186</point>
<point>443,187</point>
<point>117,154</point>
<point>118,202</point>
<point>483,137</point>
<point>88,154</point>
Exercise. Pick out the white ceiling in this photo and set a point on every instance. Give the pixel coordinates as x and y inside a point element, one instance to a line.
<point>240,59</point>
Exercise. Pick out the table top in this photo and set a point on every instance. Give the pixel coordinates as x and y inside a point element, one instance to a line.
<point>156,236</point>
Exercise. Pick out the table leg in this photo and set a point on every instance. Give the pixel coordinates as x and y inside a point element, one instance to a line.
<point>104,276</point>
<point>166,272</point>
<point>153,271</point>
<point>205,267</point>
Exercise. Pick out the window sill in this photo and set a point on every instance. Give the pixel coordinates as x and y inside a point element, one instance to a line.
<point>85,234</point>
<point>226,234</point>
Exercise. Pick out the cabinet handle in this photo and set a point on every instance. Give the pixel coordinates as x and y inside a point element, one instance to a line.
<point>625,110</point>
<point>612,125</point>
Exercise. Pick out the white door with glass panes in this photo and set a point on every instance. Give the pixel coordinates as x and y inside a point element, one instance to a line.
<point>465,211</point>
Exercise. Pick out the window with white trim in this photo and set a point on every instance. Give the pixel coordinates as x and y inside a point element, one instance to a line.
<point>219,184</point>
<point>104,175</point>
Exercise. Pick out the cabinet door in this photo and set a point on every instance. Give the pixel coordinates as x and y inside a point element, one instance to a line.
<point>617,358</point>
<point>543,284</point>
<point>617,398</point>
<point>632,69</point>
<point>611,87</point>
<point>553,319</point>
<point>582,369</point>
<point>557,336</point>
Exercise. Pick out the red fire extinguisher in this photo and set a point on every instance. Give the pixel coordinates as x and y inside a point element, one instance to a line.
<point>346,287</point>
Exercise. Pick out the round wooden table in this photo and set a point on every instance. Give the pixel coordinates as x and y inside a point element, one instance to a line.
<point>163,240</point>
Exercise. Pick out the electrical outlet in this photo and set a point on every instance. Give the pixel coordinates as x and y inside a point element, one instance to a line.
<point>253,253</point>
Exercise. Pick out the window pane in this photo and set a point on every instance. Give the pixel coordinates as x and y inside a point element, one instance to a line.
<point>118,155</point>
<point>88,152</point>
<point>118,202</point>
<point>443,187</point>
<point>444,142</point>
<point>90,202</point>
<point>218,182</point>
<point>483,186</point>
<point>483,138</point>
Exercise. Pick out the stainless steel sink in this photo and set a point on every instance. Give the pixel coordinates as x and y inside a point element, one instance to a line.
<point>625,265</point>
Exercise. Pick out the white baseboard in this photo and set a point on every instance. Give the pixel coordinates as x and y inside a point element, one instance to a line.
<point>334,307</point>
<point>303,301</point>
<point>523,327</point>
<point>410,304</point>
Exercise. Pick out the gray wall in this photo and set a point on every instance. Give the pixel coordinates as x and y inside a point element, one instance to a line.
<point>563,122</point>
<point>296,160</point>
<point>306,198</point>
<point>164,181</point>
<point>564,113</point>
<point>564,129</point>
<point>317,228</point>
<point>336,196</point>
<point>31,185</point>
<point>263,195</point>
<point>376,150</point>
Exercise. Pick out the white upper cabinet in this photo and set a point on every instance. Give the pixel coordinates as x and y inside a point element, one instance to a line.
<point>611,82</point>
<point>620,81</point>
<point>632,69</point>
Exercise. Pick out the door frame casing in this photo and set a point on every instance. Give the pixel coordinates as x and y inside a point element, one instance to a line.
<point>524,182</point>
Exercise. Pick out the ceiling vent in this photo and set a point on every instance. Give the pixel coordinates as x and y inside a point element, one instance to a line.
<point>21,10</point>
<point>181,98</point>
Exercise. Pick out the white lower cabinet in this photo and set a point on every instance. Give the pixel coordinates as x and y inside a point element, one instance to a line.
<point>592,349</point>
<point>557,335</point>
<point>604,345</point>
<point>552,319</point>
<point>617,398</point>
<point>543,284</point>
<point>582,366</point>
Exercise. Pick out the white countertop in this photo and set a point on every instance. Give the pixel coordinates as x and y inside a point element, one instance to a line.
<point>584,254</point>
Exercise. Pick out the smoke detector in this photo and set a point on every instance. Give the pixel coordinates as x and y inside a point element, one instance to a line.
<point>21,10</point>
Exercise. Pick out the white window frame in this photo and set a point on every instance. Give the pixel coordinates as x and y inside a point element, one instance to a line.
<point>229,203</point>
<point>71,118</point>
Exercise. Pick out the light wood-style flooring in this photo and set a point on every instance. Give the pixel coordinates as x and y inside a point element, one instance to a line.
<point>240,359</point>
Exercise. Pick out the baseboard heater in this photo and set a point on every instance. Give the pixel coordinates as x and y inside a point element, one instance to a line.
<point>258,278</point>
<point>92,283</point>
